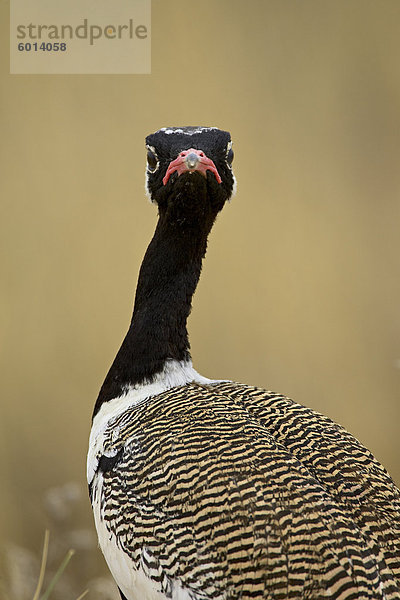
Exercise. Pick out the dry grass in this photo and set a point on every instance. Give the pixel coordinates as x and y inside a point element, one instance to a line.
<point>67,567</point>
<point>46,594</point>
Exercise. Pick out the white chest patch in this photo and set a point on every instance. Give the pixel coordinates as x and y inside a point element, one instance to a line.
<point>174,374</point>
<point>134,584</point>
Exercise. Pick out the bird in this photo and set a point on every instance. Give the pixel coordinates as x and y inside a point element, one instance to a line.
<point>208,489</point>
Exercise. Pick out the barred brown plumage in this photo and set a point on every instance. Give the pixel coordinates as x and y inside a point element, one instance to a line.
<point>225,500</point>
<point>213,489</point>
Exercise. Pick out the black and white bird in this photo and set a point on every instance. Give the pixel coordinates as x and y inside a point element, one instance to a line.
<point>206,489</point>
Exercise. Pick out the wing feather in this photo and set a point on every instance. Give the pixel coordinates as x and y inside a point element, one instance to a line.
<point>231,492</point>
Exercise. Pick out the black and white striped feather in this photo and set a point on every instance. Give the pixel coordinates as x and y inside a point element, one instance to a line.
<point>230,492</point>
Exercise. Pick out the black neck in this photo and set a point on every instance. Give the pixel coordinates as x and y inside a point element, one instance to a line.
<point>167,280</point>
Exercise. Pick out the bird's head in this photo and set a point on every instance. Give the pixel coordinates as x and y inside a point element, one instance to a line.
<point>189,170</point>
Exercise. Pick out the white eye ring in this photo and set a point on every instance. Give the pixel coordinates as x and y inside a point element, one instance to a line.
<point>151,156</point>
<point>229,150</point>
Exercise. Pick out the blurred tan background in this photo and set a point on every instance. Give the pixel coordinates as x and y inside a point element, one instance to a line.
<point>300,290</point>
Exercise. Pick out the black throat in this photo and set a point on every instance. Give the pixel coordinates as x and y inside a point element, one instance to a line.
<point>167,280</point>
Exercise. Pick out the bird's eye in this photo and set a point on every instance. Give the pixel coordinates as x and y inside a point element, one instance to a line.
<point>152,160</point>
<point>229,154</point>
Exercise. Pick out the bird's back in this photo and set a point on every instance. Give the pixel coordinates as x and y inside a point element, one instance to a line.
<point>229,492</point>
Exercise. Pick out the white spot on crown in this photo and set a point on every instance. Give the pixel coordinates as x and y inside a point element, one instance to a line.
<point>186,131</point>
